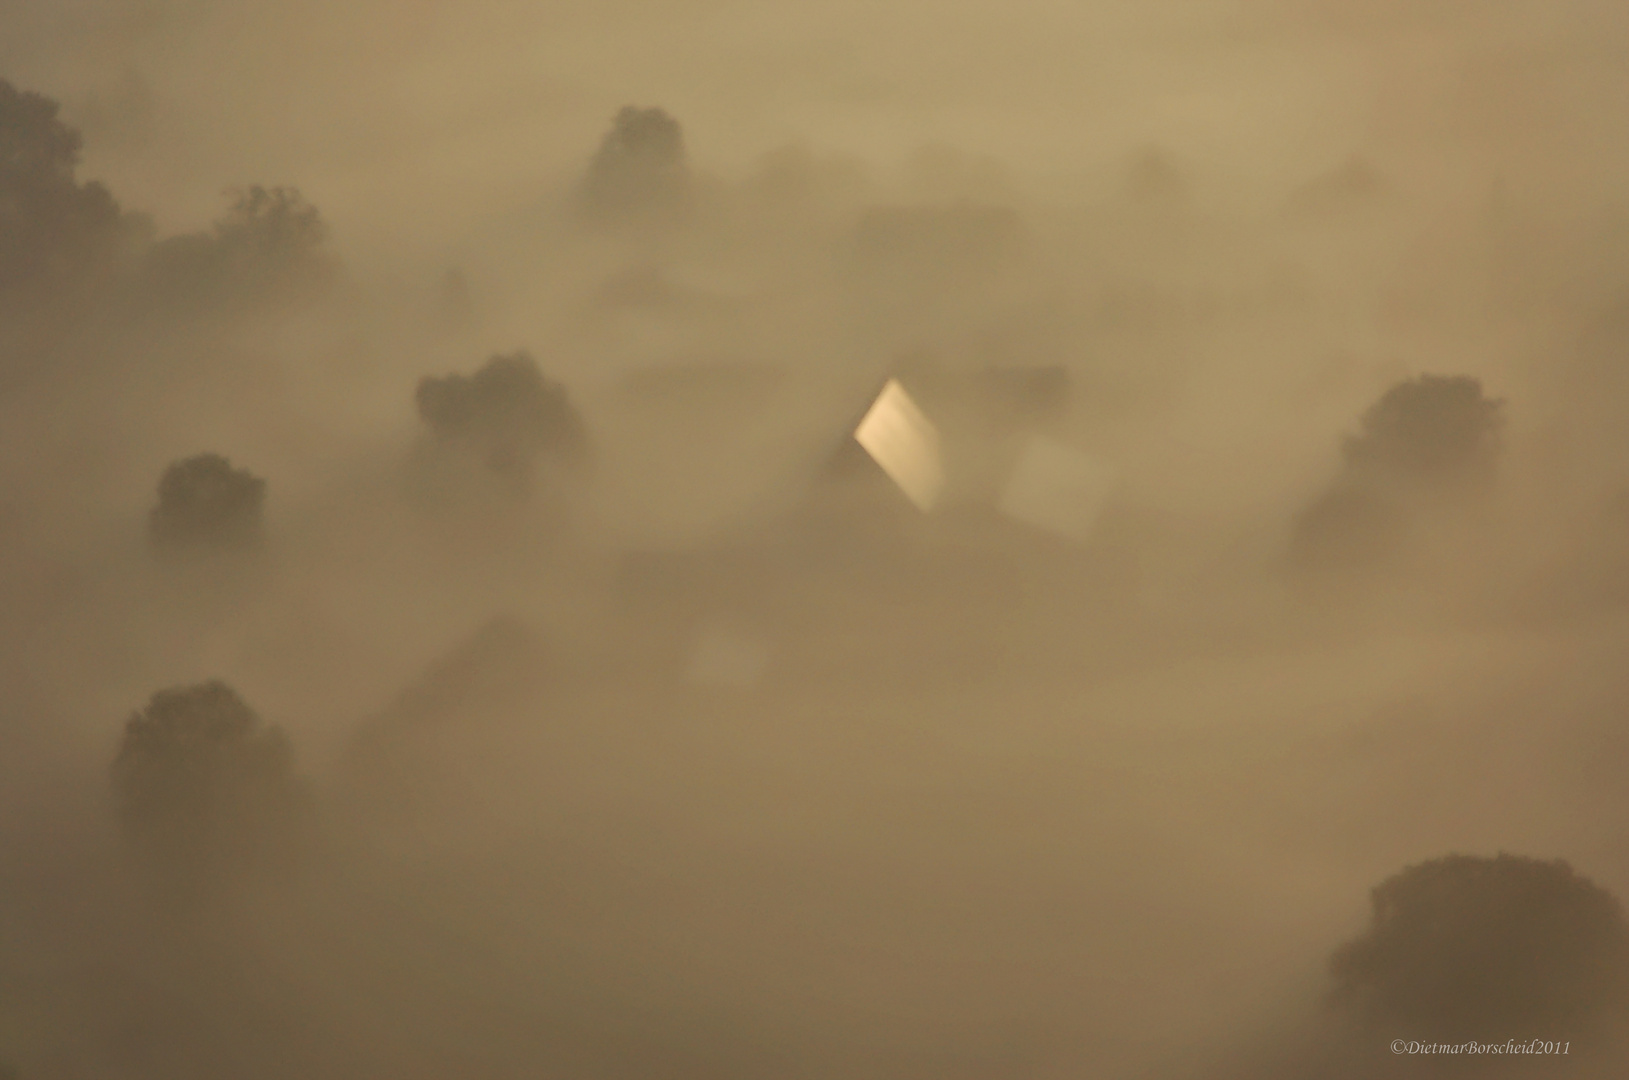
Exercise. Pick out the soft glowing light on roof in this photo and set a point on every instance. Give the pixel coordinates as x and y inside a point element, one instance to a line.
<point>904,442</point>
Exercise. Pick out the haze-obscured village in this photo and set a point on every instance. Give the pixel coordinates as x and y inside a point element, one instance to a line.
<point>678,541</point>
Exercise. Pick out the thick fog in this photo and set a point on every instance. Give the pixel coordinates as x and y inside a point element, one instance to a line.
<point>450,627</point>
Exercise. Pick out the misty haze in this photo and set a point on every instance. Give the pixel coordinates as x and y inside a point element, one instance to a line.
<point>897,541</point>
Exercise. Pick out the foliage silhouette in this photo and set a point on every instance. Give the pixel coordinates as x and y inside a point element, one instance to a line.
<point>1466,947</point>
<point>640,170</point>
<point>203,502</point>
<point>508,411</point>
<point>200,781</point>
<point>268,247</point>
<point>54,231</point>
<point>1427,447</point>
<point>1435,429</point>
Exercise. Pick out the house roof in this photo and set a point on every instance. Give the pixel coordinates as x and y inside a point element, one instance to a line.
<point>700,452</point>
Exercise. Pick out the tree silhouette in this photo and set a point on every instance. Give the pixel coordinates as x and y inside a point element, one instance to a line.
<point>640,169</point>
<point>1427,446</point>
<point>204,502</point>
<point>508,412</point>
<point>271,224</point>
<point>53,229</point>
<point>1467,947</point>
<point>268,246</point>
<point>199,778</point>
<point>1436,429</point>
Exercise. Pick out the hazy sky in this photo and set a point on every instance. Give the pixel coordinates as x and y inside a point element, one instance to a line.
<point>416,110</point>
<point>412,119</point>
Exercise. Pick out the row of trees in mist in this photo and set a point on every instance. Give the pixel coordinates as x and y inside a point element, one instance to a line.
<point>64,242</point>
<point>1458,948</point>
<point>207,794</point>
<point>66,239</point>
<point>496,430</point>
<point>1429,446</point>
<point>898,258</point>
<point>67,246</point>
